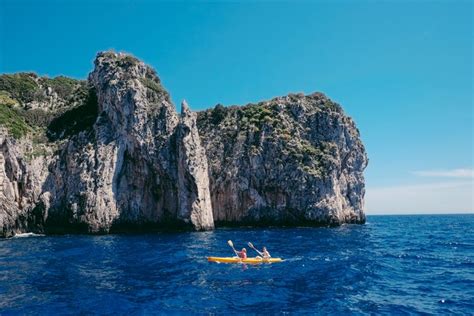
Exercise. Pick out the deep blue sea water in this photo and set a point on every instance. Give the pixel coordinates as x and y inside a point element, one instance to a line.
<point>391,265</point>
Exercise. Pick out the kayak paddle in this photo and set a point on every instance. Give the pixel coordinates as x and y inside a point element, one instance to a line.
<point>232,245</point>
<point>251,246</point>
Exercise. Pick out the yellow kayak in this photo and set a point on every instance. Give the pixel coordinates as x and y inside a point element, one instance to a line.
<point>238,260</point>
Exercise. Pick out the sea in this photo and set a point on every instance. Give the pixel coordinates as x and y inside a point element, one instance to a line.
<point>392,265</point>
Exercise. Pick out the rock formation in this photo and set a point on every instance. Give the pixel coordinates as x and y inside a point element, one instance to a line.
<point>291,160</point>
<point>111,154</point>
<point>193,174</point>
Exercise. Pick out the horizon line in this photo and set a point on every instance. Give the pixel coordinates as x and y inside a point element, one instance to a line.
<point>410,214</point>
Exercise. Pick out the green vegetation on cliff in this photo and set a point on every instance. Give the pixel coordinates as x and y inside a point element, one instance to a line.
<point>153,83</point>
<point>63,86</point>
<point>277,130</point>
<point>28,87</point>
<point>255,115</point>
<point>20,86</point>
<point>25,107</point>
<point>13,120</point>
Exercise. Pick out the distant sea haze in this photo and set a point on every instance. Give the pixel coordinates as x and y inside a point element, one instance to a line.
<point>391,265</point>
<point>453,196</point>
<point>415,213</point>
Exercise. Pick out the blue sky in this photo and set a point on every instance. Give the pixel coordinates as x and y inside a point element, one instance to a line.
<point>402,69</point>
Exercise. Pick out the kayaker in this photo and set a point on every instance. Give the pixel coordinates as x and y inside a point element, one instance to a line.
<point>264,253</point>
<point>242,254</point>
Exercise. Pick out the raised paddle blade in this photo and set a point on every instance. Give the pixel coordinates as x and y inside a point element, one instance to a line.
<point>230,243</point>
<point>250,245</point>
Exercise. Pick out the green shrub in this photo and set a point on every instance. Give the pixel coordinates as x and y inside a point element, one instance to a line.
<point>38,117</point>
<point>5,99</point>
<point>63,86</point>
<point>152,85</point>
<point>309,149</point>
<point>257,114</point>
<point>333,106</point>
<point>13,121</point>
<point>218,114</point>
<point>128,60</point>
<point>107,54</point>
<point>36,152</point>
<point>20,86</point>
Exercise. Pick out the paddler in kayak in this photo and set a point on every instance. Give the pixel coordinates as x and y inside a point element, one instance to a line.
<point>264,254</point>
<point>241,254</point>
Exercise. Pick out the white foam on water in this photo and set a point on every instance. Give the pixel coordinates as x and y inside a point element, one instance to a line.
<point>25,235</point>
<point>294,259</point>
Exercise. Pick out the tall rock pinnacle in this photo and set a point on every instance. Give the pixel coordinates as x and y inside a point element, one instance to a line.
<point>193,174</point>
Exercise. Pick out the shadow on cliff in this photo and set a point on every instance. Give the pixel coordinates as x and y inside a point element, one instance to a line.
<point>74,120</point>
<point>55,218</point>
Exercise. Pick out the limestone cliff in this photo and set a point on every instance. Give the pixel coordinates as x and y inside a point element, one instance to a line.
<point>111,154</point>
<point>291,160</point>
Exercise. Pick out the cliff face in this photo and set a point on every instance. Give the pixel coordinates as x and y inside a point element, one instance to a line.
<point>121,171</point>
<point>21,184</point>
<point>112,154</point>
<point>291,160</point>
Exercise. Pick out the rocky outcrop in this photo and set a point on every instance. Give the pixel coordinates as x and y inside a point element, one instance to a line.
<point>294,160</point>
<point>193,174</point>
<point>21,179</point>
<point>134,168</point>
<point>113,155</point>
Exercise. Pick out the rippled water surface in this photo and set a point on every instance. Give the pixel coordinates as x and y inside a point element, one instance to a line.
<point>393,264</point>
